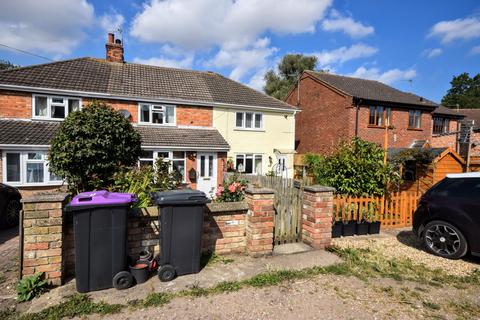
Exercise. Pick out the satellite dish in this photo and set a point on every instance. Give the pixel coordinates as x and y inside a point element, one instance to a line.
<point>125,113</point>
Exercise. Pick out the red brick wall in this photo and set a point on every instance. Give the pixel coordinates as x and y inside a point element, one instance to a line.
<point>194,116</point>
<point>15,104</point>
<point>325,118</point>
<point>449,140</point>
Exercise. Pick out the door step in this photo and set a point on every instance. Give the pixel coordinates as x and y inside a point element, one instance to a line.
<point>291,248</point>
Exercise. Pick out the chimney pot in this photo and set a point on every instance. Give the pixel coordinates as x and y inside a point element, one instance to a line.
<point>111,37</point>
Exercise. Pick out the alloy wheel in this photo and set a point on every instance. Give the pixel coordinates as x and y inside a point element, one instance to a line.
<point>12,214</point>
<point>442,239</point>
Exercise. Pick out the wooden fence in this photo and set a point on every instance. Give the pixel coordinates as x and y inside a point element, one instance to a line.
<point>288,204</point>
<point>393,211</point>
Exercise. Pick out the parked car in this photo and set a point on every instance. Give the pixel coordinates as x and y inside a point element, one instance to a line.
<point>10,206</point>
<point>448,216</point>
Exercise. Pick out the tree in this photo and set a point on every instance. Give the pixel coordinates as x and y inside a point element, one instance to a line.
<point>5,65</point>
<point>465,92</point>
<point>289,69</point>
<point>354,168</point>
<point>91,146</point>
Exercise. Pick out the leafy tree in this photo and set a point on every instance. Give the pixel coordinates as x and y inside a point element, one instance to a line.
<point>354,168</point>
<point>5,65</point>
<point>465,92</point>
<point>289,69</point>
<point>91,146</point>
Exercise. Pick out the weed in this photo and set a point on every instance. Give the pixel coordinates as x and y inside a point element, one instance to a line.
<point>465,309</point>
<point>31,287</point>
<point>195,291</point>
<point>431,305</point>
<point>156,299</point>
<point>211,258</point>
<point>227,286</point>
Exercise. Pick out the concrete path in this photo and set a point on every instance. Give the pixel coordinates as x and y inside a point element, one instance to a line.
<point>9,261</point>
<point>243,267</point>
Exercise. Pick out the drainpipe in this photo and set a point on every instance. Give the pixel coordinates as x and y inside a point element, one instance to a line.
<point>357,107</point>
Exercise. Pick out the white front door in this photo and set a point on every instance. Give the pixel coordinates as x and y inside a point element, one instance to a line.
<point>282,166</point>
<point>207,172</point>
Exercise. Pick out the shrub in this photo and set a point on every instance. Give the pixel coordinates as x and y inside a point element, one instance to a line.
<point>354,168</point>
<point>231,190</point>
<point>91,146</point>
<point>31,287</point>
<point>142,181</point>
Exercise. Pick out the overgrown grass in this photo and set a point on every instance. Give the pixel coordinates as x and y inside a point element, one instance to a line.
<point>360,263</point>
<point>211,258</point>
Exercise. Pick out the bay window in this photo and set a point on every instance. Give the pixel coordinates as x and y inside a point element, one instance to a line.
<point>249,163</point>
<point>54,107</point>
<point>28,168</point>
<point>156,114</point>
<point>248,120</point>
<point>176,159</point>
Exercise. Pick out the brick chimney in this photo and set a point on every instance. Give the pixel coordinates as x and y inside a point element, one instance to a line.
<point>114,48</point>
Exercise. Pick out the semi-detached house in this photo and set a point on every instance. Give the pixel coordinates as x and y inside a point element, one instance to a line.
<point>201,121</point>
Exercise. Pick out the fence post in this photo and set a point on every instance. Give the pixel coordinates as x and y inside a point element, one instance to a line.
<point>317,214</point>
<point>43,236</point>
<point>260,221</point>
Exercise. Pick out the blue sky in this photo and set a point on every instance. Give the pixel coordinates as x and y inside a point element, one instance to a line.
<point>415,46</point>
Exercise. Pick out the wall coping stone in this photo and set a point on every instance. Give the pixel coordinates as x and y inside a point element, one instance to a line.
<point>217,207</point>
<point>319,188</point>
<point>253,190</point>
<point>46,197</point>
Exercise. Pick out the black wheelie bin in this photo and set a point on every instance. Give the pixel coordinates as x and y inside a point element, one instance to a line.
<point>100,230</point>
<point>181,227</point>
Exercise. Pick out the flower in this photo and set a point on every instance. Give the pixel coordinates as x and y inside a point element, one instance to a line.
<point>219,191</point>
<point>232,188</point>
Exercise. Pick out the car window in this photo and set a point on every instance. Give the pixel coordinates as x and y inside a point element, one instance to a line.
<point>462,188</point>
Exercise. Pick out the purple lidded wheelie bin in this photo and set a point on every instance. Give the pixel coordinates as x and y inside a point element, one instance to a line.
<point>100,227</point>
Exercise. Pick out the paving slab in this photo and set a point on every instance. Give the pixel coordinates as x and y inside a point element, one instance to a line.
<point>290,248</point>
<point>243,267</point>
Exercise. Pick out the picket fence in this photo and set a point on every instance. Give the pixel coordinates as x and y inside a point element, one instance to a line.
<point>394,210</point>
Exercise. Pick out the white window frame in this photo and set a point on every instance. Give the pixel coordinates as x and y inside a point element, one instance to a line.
<point>169,158</point>
<point>49,106</point>
<point>150,105</point>
<point>246,156</point>
<point>23,169</point>
<point>244,120</point>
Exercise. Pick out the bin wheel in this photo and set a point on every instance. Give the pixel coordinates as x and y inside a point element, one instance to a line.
<point>166,273</point>
<point>123,280</point>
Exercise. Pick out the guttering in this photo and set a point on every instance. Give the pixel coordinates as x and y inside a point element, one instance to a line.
<point>357,102</point>
<point>24,146</point>
<point>88,94</point>
<point>44,147</point>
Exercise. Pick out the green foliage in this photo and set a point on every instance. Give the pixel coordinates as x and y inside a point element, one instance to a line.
<point>289,69</point>
<point>142,181</point>
<point>7,65</point>
<point>155,299</point>
<point>354,168</point>
<point>31,287</point>
<point>232,190</point>
<point>464,92</point>
<point>419,155</point>
<point>91,146</point>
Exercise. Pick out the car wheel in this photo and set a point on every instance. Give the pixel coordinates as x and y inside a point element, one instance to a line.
<point>445,240</point>
<point>12,213</point>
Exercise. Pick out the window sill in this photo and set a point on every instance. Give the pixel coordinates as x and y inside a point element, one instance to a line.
<point>156,124</point>
<point>375,127</point>
<point>48,119</point>
<point>25,185</point>
<point>251,130</point>
<point>415,129</point>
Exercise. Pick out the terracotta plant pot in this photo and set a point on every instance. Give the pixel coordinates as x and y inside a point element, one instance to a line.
<point>337,229</point>
<point>349,228</point>
<point>374,227</point>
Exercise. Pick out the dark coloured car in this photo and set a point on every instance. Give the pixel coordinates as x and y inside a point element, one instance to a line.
<point>10,206</point>
<point>448,216</point>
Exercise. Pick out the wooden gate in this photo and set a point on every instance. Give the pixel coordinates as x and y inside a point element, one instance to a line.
<point>288,205</point>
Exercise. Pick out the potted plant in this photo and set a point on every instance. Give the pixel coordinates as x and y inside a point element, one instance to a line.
<point>337,225</point>
<point>373,223</point>
<point>362,223</point>
<point>349,226</point>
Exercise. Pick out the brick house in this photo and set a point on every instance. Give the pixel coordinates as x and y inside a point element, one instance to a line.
<point>336,107</point>
<point>446,128</point>
<point>198,120</point>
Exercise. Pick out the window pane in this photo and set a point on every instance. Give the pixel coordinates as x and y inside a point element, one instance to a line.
<point>170,114</point>
<point>163,155</point>
<point>146,154</point>
<point>73,105</point>
<point>240,163</point>
<point>178,155</point>
<point>417,118</point>
<point>145,113</point>
<point>34,172</point>
<point>13,167</point>
<point>58,112</point>
<point>379,116</point>
<point>179,166</point>
<point>447,126</point>
<point>202,166</point>
<point>372,116</point>
<point>411,118</point>
<point>258,120</point>
<point>258,164</point>
<point>41,106</point>
<point>144,163</point>
<point>58,100</point>
<point>157,117</point>
<point>35,156</point>
<point>54,177</point>
<point>389,117</point>
<point>210,166</point>
<point>249,165</point>
<point>248,120</point>
<point>239,120</point>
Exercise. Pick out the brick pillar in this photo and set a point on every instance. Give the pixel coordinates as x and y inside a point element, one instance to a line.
<point>317,216</point>
<point>260,221</point>
<point>43,224</point>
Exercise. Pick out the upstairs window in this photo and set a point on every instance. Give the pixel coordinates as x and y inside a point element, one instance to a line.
<point>414,119</point>
<point>441,125</point>
<point>157,114</point>
<point>53,107</point>
<point>379,116</point>
<point>249,120</point>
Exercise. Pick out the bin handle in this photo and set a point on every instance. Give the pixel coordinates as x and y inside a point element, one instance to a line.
<point>84,199</point>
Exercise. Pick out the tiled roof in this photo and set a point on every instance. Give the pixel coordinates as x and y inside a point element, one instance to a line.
<point>137,80</point>
<point>371,90</point>
<point>19,132</point>
<point>472,114</point>
<point>434,152</point>
<point>441,110</point>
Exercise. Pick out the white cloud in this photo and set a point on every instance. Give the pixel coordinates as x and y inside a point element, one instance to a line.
<point>257,81</point>
<point>464,29</point>
<point>387,77</point>
<point>344,54</point>
<point>432,53</point>
<point>49,26</point>
<point>475,50</point>
<point>199,24</point>
<point>337,22</point>
<point>112,22</point>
